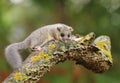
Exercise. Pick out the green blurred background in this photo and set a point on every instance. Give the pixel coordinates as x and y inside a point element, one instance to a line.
<point>18,18</point>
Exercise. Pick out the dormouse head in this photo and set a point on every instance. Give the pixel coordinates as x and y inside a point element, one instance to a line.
<point>64,32</point>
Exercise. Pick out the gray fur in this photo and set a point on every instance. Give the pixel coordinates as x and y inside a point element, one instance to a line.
<point>37,38</point>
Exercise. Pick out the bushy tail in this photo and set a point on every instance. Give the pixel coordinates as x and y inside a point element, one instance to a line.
<point>12,55</point>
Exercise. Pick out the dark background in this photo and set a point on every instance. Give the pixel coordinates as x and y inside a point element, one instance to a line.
<point>18,18</point>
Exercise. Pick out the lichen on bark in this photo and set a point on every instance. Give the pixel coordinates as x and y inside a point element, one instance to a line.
<point>93,53</point>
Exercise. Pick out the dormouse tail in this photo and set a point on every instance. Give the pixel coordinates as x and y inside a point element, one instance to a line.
<point>12,54</point>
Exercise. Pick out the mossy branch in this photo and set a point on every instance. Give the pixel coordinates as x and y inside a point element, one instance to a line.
<point>94,54</point>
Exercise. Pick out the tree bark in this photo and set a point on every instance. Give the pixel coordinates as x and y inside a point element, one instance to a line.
<point>84,51</point>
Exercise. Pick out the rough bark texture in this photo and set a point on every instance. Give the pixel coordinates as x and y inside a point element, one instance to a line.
<point>84,52</point>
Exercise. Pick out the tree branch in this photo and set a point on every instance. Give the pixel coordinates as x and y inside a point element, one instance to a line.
<point>94,54</point>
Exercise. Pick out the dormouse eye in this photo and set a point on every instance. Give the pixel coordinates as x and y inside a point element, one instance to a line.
<point>68,35</point>
<point>62,34</point>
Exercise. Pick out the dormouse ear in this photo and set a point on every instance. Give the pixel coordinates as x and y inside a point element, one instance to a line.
<point>58,28</point>
<point>71,29</point>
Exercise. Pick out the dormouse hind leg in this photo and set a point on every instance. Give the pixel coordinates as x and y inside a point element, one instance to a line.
<point>36,48</point>
<point>39,48</point>
<point>33,46</point>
